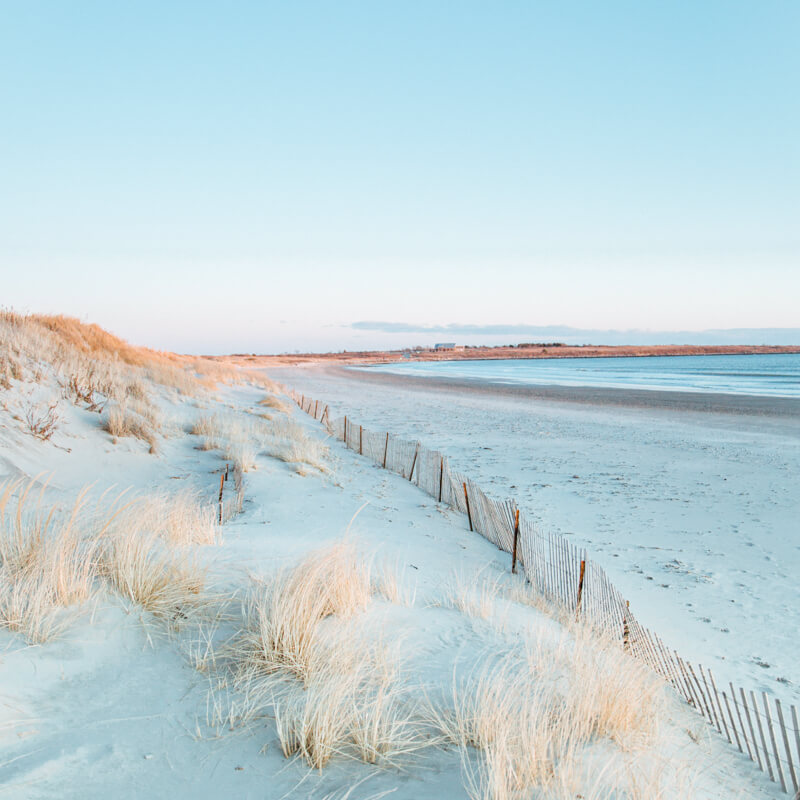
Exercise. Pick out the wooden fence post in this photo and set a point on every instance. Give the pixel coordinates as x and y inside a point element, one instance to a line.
<point>221,487</point>
<point>516,537</point>
<point>411,474</point>
<point>361,440</point>
<point>466,497</point>
<point>441,477</point>
<point>316,409</point>
<point>580,587</point>
<point>345,430</point>
<point>626,634</point>
<point>386,450</point>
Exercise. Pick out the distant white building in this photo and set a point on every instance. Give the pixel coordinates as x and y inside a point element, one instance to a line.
<point>445,346</point>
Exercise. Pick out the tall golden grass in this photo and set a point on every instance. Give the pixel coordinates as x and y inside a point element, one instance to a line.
<point>282,616</point>
<point>53,560</point>
<point>93,365</point>
<point>331,688</point>
<point>47,561</point>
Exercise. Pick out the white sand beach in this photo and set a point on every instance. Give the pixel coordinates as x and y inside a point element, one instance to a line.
<point>154,667</point>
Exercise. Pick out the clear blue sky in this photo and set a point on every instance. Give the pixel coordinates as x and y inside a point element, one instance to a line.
<point>256,176</point>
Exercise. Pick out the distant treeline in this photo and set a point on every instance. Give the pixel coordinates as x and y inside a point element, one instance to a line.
<point>541,344</point>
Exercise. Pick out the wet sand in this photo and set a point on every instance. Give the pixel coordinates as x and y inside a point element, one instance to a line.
<point>784,407</point>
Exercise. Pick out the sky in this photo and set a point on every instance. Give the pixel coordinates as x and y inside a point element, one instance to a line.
<point>270,177</point>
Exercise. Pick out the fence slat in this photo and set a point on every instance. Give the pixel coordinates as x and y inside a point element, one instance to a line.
<point>761,735</point>
<point>772,740</point>
<point>733,723</point>
<point>790,763</point>
<point>719,705</point>
<point>752,730</point>
<point>741,723</point>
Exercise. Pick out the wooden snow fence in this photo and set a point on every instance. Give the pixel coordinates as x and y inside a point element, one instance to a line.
<point>757,724</point>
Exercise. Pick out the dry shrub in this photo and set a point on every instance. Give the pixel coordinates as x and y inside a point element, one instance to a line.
<point>47,562</point>
<point>91,382</point>
<point>42,420</point>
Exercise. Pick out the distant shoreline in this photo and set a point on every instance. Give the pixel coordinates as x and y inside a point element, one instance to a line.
<point>702,402</point>
<point>550,351</point>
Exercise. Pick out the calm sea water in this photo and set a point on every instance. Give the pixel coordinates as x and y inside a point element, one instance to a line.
<point>773,375</point>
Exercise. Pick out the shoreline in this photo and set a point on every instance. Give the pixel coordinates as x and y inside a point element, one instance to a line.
<point>500,353</point>
<point>703,402</point>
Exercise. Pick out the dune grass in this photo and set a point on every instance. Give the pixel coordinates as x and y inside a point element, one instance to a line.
<point>149,555</point>
<point>93,366</point>
<point>236,436</point>
<point>301,657</point>
<point>352,706</point>
<point>282,616</point>
<point>134,418</point>
<point>274,402</point>
<point>241,437</point>
<point>529,717</point>
<point>55,560</point>
<point>180,519</point>
<point>287,441</point>
<point>170,583</point>
<point>390,582</point>
<point>47,561</point>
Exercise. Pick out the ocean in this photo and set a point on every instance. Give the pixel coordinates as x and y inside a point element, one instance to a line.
<point>765,375</point>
